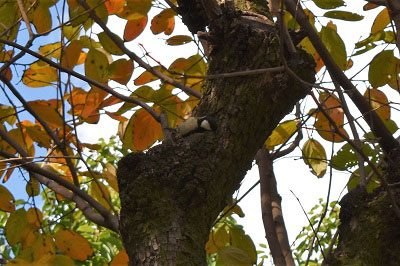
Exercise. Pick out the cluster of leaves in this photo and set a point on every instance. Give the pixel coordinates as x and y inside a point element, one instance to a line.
<point>306,243</point>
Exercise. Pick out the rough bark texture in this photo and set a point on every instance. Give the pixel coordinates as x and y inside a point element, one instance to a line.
<point>369,232</point>
<point>171,194</point>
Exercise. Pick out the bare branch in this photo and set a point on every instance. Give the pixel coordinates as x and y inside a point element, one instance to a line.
<point>25,18</point>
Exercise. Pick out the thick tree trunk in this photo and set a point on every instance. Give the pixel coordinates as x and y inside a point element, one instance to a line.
<point>171,194</point>
<point>369,231</point>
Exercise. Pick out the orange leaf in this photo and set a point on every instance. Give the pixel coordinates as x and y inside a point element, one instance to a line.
<point>6,56</point>
<point>6,200</point>
<point>378,100</point>
<point>93,99</point>
<point>117,117</point>
<point>72,54</point>
<point>146,130</point>
<point>34,216</point>
<point>120,259</point>
<point>42,18</point>
<point>121,71</point>
<point>134,28</point>
<point>146,77</point>
<point>135,9</point>
<point>163,22</point>
<point>73,244</point>
<point>113,6</point>
<point>110,101</point>
<point>46,111</point>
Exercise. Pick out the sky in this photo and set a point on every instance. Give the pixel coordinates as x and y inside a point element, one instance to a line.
<point>291,173</point>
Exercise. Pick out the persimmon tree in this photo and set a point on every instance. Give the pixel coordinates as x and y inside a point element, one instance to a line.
<point>168,201</point>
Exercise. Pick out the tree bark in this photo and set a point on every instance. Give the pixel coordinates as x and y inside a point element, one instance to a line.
<point>171,194</point>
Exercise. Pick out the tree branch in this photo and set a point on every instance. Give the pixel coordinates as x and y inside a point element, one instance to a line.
<point>84,78</point>
<point>386,140</point>
<point>136,58</point>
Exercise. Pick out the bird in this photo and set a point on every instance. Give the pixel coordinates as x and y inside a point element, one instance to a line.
<point>196,125</point>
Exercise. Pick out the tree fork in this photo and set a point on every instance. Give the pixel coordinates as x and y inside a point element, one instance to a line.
<point>171,195</point>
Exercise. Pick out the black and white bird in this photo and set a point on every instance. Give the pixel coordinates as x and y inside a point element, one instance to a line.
<point>196,125</point>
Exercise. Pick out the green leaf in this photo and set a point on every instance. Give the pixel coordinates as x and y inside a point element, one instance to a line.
<point>383,69</point>
<point>179,40</point>
<point>347,158</point>
<point>315,157</point>
<point>335,46</point>
<point>108,43</point>
<point>96,64</point>
<point>343,15</point>
<point>328,4</point>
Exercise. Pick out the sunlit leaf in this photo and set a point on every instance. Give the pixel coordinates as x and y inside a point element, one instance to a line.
<point>134,28</point>
<point>146,130</point>
<point>381,21</point>
<point>109,44</point>
<point>6,200</point>
<point>72,54</point>
<point>47,111</point>
<point>73,244</point>
<point>121,71</point>
<point>378,101</point>
<point>51,49</point>
<point>146,77</point>
<point>36,77</point>
<point>7,114</point>
<point>114,6</point>
<point>101,194</point>
<point>280,134</point>
<point>96,65</point>
<point>163,22</point>
<point>135,9</point>
<point>315,157</point>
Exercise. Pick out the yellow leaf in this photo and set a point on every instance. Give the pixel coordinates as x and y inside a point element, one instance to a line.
<point>280,134</point>
<point>110,173</point>
<point>315,157</point>
<point>135,9</point>
<point>6,200</point>
<point>34,216</point>
<point>381,21</point>
<point>108,44</point>
<point>15,226</point>
<point>51,49</point>
<point>44,245</point>
<point>96,193</point>
<point>36,77</point>
<point>32,187</point>
<point>146,130</point>
<point>73,244</point>
<point>47,112</point>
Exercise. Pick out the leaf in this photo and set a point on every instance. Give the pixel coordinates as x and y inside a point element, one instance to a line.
<point>329,4</point>
<point>96,193</point>
<point>315,157</point>
<point>146,77</point>
<point>163,22</point>
<point>110,174</point>
<point>242,241</point>
<point>134,28</point>
<point>96,65</point>
<point>72,54</point>
<point>369,6</point>
<point>378,101</point>
<point>120,259</point>
<point>6,200</point>
<point>280,134</point>
<point>346,158</point>
<point>354,180</point>
<point>109,44</point>
<point>121,71</point>
<point>335,46</point>
<point>146,130</point>
<point>34,216</point>
<point>7,114</point>
<point>93,100</point>
<point>9,14</point>
<point>381,21</point>
<point>51,49</point>
<point>47,112</point>
<point>234,256</point>
<point>135,9</point>
<point>42,246</point>
<point>39,76</point>
<point>384,69</point>
<point>114,6</point>
<point>42,18</point>
<point>179,40</point>
<point>343,15</point>
<point>15,225</point>
<point>73,244</point>
<point>32,187</point>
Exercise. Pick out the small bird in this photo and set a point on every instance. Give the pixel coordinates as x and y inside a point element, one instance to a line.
<point>196,125</point>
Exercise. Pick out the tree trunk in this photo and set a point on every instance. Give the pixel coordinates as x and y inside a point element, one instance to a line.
<point>171,194</point>
<point>369,232</point>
